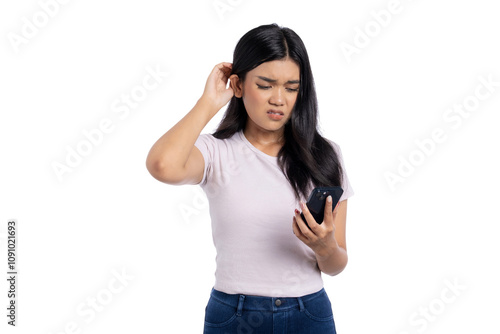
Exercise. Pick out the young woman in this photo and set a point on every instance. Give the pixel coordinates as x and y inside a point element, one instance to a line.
<point>257,170</point>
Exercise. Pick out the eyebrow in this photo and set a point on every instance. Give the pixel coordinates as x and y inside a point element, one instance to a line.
<point>274,80</point>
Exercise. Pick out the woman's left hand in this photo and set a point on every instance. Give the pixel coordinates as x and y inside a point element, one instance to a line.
<point>319,237</point>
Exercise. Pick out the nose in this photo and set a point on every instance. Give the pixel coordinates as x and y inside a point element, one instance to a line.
<point>277,97</point>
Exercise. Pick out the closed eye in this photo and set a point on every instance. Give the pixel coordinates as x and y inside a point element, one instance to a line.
<point>288,89</point>
<point>263,87</point>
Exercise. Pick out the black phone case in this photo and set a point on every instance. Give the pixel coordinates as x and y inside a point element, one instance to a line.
<point>317,201</point>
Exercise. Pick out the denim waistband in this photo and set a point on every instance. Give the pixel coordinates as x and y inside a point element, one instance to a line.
<point>260,303</point>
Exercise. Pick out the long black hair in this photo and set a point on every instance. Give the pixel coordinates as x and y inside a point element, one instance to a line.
<point>306,157</point>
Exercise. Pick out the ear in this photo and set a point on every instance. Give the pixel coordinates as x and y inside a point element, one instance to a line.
<point>236,85</point>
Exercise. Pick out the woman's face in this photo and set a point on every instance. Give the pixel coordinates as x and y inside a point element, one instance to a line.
<point>269,94</point>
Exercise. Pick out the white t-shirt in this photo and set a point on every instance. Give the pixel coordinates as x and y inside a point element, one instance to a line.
<point>252,207</point>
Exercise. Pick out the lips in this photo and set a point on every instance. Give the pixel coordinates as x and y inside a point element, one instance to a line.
<point>275,112</point>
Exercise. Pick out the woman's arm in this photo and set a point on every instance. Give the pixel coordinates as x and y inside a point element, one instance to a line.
<point>334,261</point>
<point>328,240</point>
<point>174,159</point>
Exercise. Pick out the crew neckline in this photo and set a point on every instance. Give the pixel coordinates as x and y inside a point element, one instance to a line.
<point>255,149</point>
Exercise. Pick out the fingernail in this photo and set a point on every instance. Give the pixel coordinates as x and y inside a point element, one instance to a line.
<point>329,198</point>
<point>297,211</point>
<point>302,205</point>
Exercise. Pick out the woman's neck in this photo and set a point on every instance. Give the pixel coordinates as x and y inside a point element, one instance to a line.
<point>264,138</point>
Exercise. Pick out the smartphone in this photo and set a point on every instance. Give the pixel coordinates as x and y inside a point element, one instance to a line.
<point>317,201</point>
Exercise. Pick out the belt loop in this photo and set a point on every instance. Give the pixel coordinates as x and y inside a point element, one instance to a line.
<point>301,304</point>
<point>240,305</point>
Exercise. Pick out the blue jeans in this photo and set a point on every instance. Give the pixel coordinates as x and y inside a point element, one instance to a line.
<point>244,314</point>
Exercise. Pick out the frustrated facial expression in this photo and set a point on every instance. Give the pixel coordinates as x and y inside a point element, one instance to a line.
<point>269,93</point>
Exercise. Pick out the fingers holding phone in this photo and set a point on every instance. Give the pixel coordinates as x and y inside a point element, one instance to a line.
<point>330,211</point>
<point>315,225</point>
<point>317,206</point>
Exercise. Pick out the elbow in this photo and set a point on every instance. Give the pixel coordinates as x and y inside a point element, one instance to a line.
<point>341,265</point>
<point>157,169</point>
<point>336,271</point>
<point>163,173</point>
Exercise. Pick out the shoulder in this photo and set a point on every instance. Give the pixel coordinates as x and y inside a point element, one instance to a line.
<point>346,185</point>
<point>208,142</point>
<point>211,137</point>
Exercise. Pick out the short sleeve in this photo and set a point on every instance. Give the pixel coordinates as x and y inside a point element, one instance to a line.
<point>206,143</point>
<point>346,185</point>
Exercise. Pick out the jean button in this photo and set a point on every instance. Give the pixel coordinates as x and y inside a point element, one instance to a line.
<point>277,302</point>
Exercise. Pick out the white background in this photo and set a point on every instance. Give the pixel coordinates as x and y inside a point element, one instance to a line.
<point>109,215</point>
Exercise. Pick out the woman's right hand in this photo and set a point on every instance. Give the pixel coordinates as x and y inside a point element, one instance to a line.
<point>216,93</point>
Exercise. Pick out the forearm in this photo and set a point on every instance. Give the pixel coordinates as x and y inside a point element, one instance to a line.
<point>334,262</point>
<point>173,148</point>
